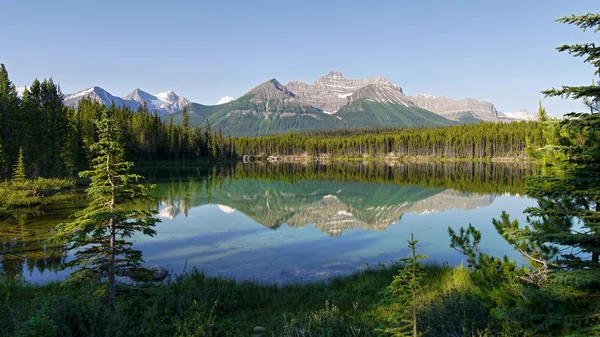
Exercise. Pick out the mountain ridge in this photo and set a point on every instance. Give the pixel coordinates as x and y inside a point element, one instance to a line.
<point>332,101</point>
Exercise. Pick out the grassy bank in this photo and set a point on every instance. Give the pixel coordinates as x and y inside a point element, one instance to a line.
<point>28,195</point>
<point>196,305</point>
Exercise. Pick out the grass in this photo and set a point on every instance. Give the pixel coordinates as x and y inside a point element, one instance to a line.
<point>30,194</point>
<point>197,305</point>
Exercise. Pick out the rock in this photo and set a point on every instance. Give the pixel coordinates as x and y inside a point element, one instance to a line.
<point>154,274</point>
<point>463,110</point>
<point>330,92</point>
<point>258,330</point>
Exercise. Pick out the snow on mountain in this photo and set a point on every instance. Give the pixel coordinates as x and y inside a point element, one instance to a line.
<point>100,95</point>
<point>20,91</point>
<point>225,100</point>
<point>163,103</point>
<point>520,115</point>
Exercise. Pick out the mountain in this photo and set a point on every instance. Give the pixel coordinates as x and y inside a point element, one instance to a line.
<point>20,91</point>
<point>331,102</point>
<point>224,100</point>
<point>383,104</point>
<point>330,92</point>
<point>100,95</point>
<point>519,115</point>
<point>267,109</point>
<point>163,103</point>
<point>466,110</point>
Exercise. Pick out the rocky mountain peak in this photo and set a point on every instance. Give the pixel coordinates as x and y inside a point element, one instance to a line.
<point>465,110</point>
<point>271,87</point>
<point>334,75</point>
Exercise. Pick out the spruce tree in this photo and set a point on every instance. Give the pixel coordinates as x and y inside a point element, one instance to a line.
<point>2,163</point>
<point>99,233</point>
<point>401,296</point>
<point>19,173</point>
<point>558,292</point>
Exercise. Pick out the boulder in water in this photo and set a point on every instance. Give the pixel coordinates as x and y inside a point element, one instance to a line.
<point>154,274</point>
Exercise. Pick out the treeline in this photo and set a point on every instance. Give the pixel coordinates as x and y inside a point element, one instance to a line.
<point>484,140</point>
<point>473,177</point>
<point>56,139</point>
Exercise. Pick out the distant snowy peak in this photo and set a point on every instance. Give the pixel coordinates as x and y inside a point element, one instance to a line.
<point>225,100</point>
<point>20,91</point>
<point>100,95</point>
<point>163,103</point>
<point>172,102</point>
<point>520,115</point>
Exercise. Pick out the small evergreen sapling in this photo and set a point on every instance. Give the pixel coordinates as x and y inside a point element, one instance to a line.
<point>400,296</point>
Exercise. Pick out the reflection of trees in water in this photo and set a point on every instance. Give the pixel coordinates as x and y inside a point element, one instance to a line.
<point>273,194</point>
<point>26,237</point>
<point>24,245</point>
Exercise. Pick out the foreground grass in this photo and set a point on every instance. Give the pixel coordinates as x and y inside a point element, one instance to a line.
<point>196,305</point>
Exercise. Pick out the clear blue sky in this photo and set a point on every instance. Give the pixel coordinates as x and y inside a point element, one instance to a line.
<point>499,51</point>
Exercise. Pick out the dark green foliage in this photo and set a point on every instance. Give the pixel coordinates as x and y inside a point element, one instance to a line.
<point>19,174</point>
<point>99,233</point>
<point>28,195</point>
<point>529,298</point>
<point>557,292</point>
<point>196,305</point>
<point>38,325</point>
<point>401,296</point>
<point>477,141</point>
<point>3,165</point>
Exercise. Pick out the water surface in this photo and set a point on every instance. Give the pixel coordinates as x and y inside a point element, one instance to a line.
<point>282,222</point>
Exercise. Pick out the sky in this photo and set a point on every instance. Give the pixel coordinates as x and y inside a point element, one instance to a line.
<point>497,51</point>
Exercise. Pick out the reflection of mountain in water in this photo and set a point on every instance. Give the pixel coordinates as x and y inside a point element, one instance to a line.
<point>331,207</point>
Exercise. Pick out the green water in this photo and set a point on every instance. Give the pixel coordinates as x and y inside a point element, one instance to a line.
<point>282,222</point>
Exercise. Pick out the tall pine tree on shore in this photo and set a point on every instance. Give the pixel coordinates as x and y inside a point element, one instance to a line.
<point>559,292</point>
<point>99,233</point>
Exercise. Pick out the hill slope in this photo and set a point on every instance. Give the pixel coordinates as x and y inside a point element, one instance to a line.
<point>273,108</point>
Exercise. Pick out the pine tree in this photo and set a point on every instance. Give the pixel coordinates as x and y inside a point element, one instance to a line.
<point>2,163</point>
<point>559,290</point>
<point>186,134</point>
<point>207,139</point>
<point>99,233</point>
<point>19,173</point>
<point>400,297</point>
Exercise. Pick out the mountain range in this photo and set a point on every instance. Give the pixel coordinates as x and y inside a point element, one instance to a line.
<point>163,103</point>
<point>331,102</point>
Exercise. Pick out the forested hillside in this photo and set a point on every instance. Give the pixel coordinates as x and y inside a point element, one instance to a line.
<point>56,139</point>
<point>483,140</point>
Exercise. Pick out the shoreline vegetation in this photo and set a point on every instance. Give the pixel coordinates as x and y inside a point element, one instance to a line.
<point>196,305</point>
<point>27,196</point>
<point>389,158</point>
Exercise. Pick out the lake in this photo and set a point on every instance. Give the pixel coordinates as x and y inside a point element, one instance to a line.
<point>294,222</point>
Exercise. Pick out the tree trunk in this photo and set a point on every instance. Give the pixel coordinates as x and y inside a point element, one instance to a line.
<point>414,314</point>
<point>112,289</point>
<point>596,255</point>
